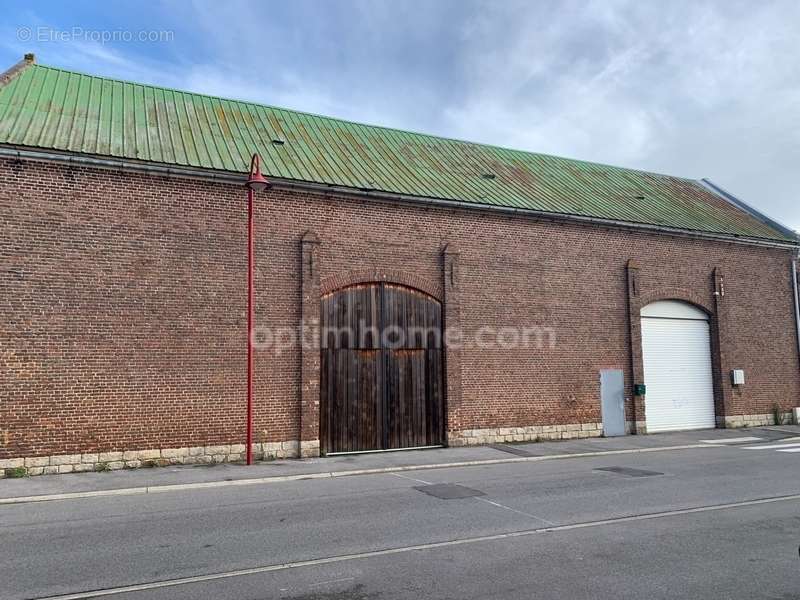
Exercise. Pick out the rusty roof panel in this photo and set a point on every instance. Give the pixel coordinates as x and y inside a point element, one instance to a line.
<point>49,108</point>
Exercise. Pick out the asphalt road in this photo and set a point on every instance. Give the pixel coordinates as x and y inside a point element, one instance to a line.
<point>705,523</point>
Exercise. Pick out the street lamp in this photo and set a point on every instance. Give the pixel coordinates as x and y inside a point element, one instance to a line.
<point>255,183</point>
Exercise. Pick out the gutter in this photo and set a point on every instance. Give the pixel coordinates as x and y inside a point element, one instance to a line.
<point>234,178</point>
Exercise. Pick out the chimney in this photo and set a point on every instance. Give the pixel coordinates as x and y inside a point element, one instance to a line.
<point>9,74</point>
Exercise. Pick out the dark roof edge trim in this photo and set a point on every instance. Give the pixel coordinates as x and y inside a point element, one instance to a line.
<point>230,177</point>
<point>753,212</point>
<point>16,69</point>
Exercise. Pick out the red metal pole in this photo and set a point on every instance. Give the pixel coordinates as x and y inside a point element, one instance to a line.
<point>250,267</point>
<point>255,181</point>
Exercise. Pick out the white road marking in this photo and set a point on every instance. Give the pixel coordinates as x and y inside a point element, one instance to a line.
<point>514,510</point>
<point>406,549</point>
<point>739,440</point>
<point>790,450</point>
<point>492,502</point>
<point>411,478</point>
<point>772,446</point>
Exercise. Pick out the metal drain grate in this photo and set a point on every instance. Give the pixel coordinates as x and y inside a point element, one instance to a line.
<point>629,471</point>
<point>511,450</point>
<point>448,491</point>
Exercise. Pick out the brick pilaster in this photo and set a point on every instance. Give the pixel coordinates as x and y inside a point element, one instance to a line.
<point>635,330</point>
<point>310,358</point>
<point>720,341</point>
<point>452,337</point>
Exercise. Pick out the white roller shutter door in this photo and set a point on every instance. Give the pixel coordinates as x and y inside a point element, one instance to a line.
<point>676,352</point>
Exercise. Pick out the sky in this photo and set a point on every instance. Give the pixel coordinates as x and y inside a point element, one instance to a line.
<point>696,89</point>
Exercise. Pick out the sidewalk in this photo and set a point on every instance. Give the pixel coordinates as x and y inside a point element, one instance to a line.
<point>140,481</point>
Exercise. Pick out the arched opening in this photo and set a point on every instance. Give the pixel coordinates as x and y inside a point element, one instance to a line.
<point>676,356</point>
<point>381,379</point>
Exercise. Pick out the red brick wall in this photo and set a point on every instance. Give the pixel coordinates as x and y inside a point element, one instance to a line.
<point>123,304</point>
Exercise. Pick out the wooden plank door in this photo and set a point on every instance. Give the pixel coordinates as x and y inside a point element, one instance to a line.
<point>351,370</point>
<point>381,369</point>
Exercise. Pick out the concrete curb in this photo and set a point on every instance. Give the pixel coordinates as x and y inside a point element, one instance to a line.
<point>155,489</point>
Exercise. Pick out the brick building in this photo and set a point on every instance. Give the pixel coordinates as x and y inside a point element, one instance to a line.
<point>574,299</point>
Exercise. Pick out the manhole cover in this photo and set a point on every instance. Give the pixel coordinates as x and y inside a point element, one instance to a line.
<point>630,472</point>
<point>449,491</point>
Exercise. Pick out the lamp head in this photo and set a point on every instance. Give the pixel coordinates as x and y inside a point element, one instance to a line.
<point>256,181</point>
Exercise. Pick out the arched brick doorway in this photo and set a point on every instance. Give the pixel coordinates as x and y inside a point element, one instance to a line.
<point>677,363</point>
<point>381,371</point>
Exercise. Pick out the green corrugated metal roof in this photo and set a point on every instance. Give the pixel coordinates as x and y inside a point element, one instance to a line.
<point>54,109</point>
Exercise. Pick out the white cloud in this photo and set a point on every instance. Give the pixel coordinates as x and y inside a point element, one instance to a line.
<point>699,89</point>
<point>686,88</point>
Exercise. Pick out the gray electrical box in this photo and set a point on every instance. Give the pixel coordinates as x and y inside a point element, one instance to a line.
<point>737,377</point>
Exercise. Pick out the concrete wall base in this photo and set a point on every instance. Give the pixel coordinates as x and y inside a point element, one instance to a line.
<point>309,448</point>
<point>735,421</point>
<point>531,433</point>
<point>134,459</point>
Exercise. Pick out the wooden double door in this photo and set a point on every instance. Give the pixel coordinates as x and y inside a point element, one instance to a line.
<point>381,369</point>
